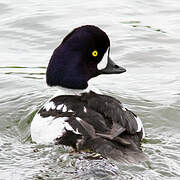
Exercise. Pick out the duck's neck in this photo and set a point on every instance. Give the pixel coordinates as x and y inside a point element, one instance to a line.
<point>67,91</point>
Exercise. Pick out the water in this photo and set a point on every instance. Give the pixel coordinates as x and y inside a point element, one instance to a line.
<point>144,39</point>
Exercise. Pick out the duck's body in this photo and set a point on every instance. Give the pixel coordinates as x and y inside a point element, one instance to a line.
<point>51,124</point>
<point>86,119</point>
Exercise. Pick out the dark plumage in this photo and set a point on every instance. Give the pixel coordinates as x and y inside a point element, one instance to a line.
<point>89,120</point>
<point>105,125</point>
<point>72,63</point>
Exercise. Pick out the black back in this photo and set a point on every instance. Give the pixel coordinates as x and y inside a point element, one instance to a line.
<point>104,126</point>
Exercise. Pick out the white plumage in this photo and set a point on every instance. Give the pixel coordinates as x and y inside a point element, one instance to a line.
<point>45,130</point>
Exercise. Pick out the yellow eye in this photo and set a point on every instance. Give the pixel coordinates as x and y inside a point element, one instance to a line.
<point>94,53</point>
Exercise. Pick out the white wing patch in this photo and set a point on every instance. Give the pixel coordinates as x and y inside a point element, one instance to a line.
<point>59,107</point>
<point>138,121</point>
<point>69,110</point>
<point>140,126</point>
<point>46,130</point>
<point>78,119</point>
<point>122,107</point>
<point>64,109</point>
<point>85,110</point>
<point>49,105</point>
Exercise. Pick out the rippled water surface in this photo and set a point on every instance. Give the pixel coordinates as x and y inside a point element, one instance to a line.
<point>144,39</point>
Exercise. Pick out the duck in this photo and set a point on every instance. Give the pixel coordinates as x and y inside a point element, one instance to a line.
<point>79,115</point>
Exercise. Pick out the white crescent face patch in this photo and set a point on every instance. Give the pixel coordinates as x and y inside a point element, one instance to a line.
<point>103,63</point>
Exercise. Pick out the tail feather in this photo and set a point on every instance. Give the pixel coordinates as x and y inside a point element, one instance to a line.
<point>118,152</point>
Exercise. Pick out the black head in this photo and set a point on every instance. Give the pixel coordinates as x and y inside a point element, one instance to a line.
<point>75,60</point>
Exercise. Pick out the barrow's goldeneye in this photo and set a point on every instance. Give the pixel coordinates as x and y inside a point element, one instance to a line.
<point>79,116</point>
